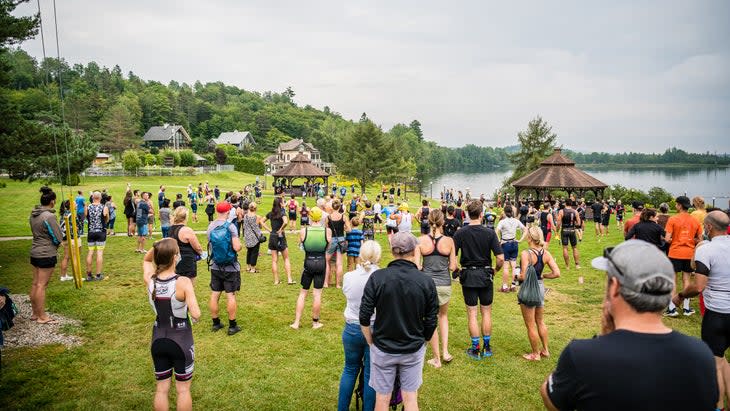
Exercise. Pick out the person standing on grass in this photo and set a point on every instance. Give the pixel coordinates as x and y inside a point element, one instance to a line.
<point>190,249</point>
<point>451,224</point>
<point>712,280</point>
<point>398,338</point>
<point>194,205</point>
<point>314,239</point>
<point>252,236</point>
<point>683,233</point>
<point>368,218</point>
<point>620,209</point>
<point>210,207</point>
<point>354,238</point>
<point>422,217</point>
<point>160,196</point>
<point>225,272</point>
<point>647,229</point>
<point>568,221</point>
<point>143,213</point>
<point>292,207</point>
<point>165,217</point>
<point>507,231</point>
<point>179,202</point>
<point>43,252</point>
<point>65,221</point>
<point>80,211</point>
<point>130,211</point>
<point>538,257</point>
<point>637,363</point>
<point>277,240</point>
<point>173,301</point>
<point>699,212</point>
<point>112,211</point>
<point>378,211</point>
<point>605,219</point>
<point>596,207</point>
<point>97,215</point>
<point>439,259</point>
<point>338,245</point>
<point>475,244</point>
<point>581,210</point>
<point>357,351</point>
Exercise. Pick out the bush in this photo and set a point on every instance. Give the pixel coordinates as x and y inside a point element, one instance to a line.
<point>210,158</point>
<point>71,180</point>
<point>187,158</point>
<point>247,165</point>
<point>220,156</point>
<point>131,161</point>
<point>230,150</point>
<point>154,151</point>
<point>150,159</point>
<point>169,153</point>
<point>658,195</point>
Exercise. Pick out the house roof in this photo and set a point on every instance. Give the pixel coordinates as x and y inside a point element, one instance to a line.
<point>294,145</point>
<point>164,133</point>
<point>198,157</point>
<point>301,166</point>
<point>558,171</point>
<point>103,155</point>
<point>270,159</point>
<point>234,137</point>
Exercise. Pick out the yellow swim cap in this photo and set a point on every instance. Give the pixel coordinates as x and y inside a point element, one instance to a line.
<point>403,206</point>
<point>315,213</point>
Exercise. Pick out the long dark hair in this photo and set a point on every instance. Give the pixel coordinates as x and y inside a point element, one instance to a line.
<point>276,208</point>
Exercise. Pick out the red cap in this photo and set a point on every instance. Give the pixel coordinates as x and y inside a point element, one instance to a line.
<point>223,207</point>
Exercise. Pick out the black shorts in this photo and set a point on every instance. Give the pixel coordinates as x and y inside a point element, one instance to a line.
<point>597,219</point>
<point>480,295</point>
<point>314,270</point>
<point>292,216</point>
<point>228,281</point>
<point>44,262</point>
<point>681,265</point>
<point>168,356</point>
<point>567,236</point>
<point>378,219</point>
<point>716,332</point>
<point>605,221</point>
<point>352,215</point>
<point>391,230</point>
<point>277,243</point>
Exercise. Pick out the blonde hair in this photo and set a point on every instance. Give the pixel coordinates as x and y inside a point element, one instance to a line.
<point>536,237</point>
<point>180,215</point>
<point>698,202</point>
<point>252,206</point>
<point>370,253</point>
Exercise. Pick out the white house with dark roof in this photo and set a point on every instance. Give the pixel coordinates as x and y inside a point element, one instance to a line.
<point>167,136</point>
<point>290,149</point>
<point>238,139</point>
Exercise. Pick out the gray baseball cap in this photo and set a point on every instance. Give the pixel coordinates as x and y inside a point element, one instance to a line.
<point>634,262</point>
<point>403,242</point>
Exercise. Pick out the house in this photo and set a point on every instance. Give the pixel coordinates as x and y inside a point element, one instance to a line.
<point>286,152</point>
<point>167,136</point>
<point>200,161</point>
<point>102,158</point>
<point>238,139</point>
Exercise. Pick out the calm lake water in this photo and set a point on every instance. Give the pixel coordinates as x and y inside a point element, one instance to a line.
<point>707,182</point>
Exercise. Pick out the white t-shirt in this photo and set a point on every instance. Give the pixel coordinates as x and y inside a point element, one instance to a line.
<point>715,257</point>
<point>405,222</point>
<point>353,286</point>
<point>377,208</point>
<point>508,228</point>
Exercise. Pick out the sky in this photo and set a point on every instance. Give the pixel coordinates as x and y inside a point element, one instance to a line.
<point>607,76</point>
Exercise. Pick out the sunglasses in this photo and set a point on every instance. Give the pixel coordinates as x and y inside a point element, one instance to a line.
<point>607,255</point>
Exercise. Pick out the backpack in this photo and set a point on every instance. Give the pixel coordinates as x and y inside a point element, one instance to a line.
<point>353,206</point>
<point>292,205</point>
<point>396,398</point>
<point>529,293</point>
<point>8,312</point>
<point>221,248</point>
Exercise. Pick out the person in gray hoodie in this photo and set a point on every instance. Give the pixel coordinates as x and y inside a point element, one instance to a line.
<point>47,237</point>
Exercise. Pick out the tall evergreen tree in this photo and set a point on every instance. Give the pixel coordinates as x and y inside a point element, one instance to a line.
<point>366,154</point>
<point>536,144</point>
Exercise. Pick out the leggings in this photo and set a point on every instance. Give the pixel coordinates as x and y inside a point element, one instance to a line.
<point>252,255</point>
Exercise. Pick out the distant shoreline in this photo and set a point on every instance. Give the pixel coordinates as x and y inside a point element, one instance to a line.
<point>650,166</point>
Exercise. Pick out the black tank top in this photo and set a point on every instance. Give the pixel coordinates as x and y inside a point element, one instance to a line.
<point>424,214</point>
<point>543,219</point>
<point>186,267</point>
<point>568,218</point>
<point>337,227</point>
<point>539,265</point>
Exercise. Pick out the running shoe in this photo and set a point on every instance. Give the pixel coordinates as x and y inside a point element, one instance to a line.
<point>474,353</point>
<point>486,351</point>
<point>66,278</point>
<point>89,277</point>
<point>99,277</point>
<point>216,327</point>
<point>671,313</point>
<point>504,289</point>
<point>688,312</point>
<point>233,330</point>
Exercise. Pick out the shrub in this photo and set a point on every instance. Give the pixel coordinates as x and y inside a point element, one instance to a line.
<point>169,153</point>
<point>220,156</point>
<point>150,159</point>
<point>154,151</point>
<point>187,158</point>
<point>130,160</point>
<point>658,195</point>
<point>247,165</point>
<point>71,180</point>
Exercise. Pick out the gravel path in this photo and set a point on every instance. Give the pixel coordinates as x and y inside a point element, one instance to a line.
<point>28,333</point>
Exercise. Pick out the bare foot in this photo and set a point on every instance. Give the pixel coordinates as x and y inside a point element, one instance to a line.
<point>434,362</point>
<point>545,353</point>
<point>47,320</point>
<point>317,325</point>
<point>448,357</point>
<point>294,326</point>
<point>33,318</point>
<point>531,357</point>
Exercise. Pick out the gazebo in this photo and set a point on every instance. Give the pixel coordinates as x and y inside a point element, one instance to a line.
<point>301,167</point>
<point>558,172</point>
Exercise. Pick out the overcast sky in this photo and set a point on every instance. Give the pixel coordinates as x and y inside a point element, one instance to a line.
<point>608,76</point>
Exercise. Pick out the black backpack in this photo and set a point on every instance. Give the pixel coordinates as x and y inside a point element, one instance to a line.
<point>396,397</point>
<point>7,313</point>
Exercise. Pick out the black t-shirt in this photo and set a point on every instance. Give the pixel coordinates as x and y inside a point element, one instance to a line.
<point>450,226</point>
<point>648,231</point>
<point>276,221</point>
<point>596,207</point>
<point>625,370</point>
<point>178,203</point>
<point>474,244</point>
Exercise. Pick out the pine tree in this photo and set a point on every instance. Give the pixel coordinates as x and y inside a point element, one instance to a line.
<point>536,144</point>
<point>366,154</point>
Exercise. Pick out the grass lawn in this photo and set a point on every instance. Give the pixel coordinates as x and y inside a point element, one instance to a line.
<point>267,366</point>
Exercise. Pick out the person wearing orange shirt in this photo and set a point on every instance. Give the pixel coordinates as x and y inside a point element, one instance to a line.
<point>637,207</point>
<point>683,234</point>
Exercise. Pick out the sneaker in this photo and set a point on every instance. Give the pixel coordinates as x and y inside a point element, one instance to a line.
<point>66,278</point>
<point>474,353</point>
<point>89,277</point>
<point>671,313</point>
<point>99,277</point>
<point>504,289</point>
<point>688,312</point>
<point>233,330</point>
<point>216,327</point>
<point>486,351</point>
<point>577,267</point>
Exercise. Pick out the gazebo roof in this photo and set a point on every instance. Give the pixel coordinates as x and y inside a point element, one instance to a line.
<point>557,172</point>
<point>301,166</point>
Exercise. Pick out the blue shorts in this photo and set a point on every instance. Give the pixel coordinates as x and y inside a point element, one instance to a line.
<point>142,230</point>
<point>510,249</point>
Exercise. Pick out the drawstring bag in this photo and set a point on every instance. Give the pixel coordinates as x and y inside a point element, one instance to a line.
<point>529,293</point>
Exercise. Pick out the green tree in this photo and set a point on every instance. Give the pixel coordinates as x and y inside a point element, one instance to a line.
<point>416,128</point>
<point>131,161</point>
<point>367,154</point>
<point>536,144</point>
<point>658,195</point>
<point>120,125</point>
<point>187,158</point>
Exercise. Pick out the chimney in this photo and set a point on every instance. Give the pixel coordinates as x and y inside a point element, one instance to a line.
<point>166,125</point>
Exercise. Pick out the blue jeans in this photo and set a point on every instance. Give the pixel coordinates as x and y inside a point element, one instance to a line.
<point>357,355</point>
<point>165,231</point>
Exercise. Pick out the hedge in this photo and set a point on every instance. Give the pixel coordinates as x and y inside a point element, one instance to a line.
<point>246,164</point>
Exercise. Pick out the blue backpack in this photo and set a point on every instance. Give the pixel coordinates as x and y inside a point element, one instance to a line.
<point>221,247</point>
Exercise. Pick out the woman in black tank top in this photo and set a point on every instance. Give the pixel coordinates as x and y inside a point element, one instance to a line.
<point>538,257</point>
<point>187,242</point>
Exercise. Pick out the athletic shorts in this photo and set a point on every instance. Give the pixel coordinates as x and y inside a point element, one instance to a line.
<point>96,240</point>
<point>378,219</point>
<point>474,296</point>
<point>142,230</point>
<point>384,366</point>
<point>391,230</point>
<point>292,216</point>
<point>337,245</point>
<point>567,236</point>
<point>597,219</point>
<point>510,249</point>
<point>228,281</point>
<point>619,217</point>
<point>716,332</point>
<point>168,356</point>
<point>545,233</point>
<point>444,293</point>
<point>314,270</point>
<point>44,262</point>
<point>605,221</point>
<point>681,265</point>
<point>305,221</point>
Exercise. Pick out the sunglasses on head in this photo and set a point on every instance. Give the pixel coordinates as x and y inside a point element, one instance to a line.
<point>607,255</point>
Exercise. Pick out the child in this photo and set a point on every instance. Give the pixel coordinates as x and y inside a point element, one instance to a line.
<point>354,239</point>
<point>368,217</point>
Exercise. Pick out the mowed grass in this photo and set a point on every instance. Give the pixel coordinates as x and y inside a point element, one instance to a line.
<point>269,366</point>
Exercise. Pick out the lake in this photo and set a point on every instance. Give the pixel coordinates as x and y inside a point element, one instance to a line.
<point>706,182</point>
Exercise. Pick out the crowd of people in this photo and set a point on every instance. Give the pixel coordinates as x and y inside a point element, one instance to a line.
<point>464,239</point>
